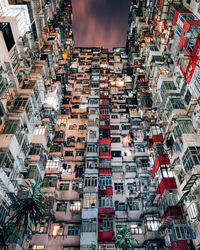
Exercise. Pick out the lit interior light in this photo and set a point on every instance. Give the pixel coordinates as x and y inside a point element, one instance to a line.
<point>120,83</point>
<point>55,230</point>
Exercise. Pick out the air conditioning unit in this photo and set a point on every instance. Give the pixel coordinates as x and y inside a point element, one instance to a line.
<point>102,188</point>
<point>93,205</point>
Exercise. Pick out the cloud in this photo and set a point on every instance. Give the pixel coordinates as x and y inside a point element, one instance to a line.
<point>100,23</point>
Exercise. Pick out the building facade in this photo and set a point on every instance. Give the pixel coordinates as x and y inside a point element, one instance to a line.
<point>114,135</point>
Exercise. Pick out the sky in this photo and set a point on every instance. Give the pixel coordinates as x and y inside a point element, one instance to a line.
<point>100,23</point>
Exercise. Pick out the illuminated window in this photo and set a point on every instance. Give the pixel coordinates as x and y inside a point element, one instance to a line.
<point>41,227</point>
<point>39,247</point>
<point>75,206</point>
<point>89,201</point>
<point>152,223</point>
<point>136,229</point>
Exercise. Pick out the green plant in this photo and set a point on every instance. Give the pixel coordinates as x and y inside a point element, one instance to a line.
<point>5,231</point>
<point>124,239</point>
<point>32,207</point>
<point>93,245</point>
<point>25,211</point>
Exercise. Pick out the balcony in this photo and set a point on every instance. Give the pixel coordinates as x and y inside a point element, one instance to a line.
<point>106,236</point>
<point>17,105</point>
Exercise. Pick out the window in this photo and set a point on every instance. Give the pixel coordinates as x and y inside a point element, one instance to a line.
<point>83,116</point>
<point>35,149</point>
<point>74,116</point>
<point>114,127</point>
<point>61,207</point>
<point>191,158</point>
<point>188,97</point>
<point>92,148</point>
<point>104,148</point>
<point>133,205</point>
<point>152,224</point>
<point>25,146</point>
<point>104,111</point>
<point>115,139</point>
<point>120,206</point>
<point>66,168</point>
<point>8,37</point>
<point>81,139</point>
<point>125,127</point>
<point>38,247</point>
<point>94,101</point>
<point>130,168</point>
<point>73,230</point>
<point>82,127</point>
<point>132,186</point>
<point>89,225</point>
<point>89,201</point>
<point>64,186</point>
<point>41,227</point>
<point>105,163</point>
<point>80,152</point>
<point>139,148</point>
<point>164,172</point>
<point>76,186</point>
<point>116,153</point>
<point>68,153</point>
<point>183,127</point>
<point>75,206</point>
<point>119,187</point>
<point>155,130</point>
<point>104,122</point>
<point>136,229</point>
<point>92,134</point>
<point>50,181</point>
<point>105,202</point>
<point>90,181</point>
<point>104,134</point>
<point>29,110</point>
<point>92,164</point>
<point>105,225</point>
<point>106,247</point>
<point>114,116</point>
<point>105,181</point>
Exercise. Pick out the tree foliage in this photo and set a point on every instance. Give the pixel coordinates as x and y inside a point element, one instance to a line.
<point>29,209</point>
<point>125,240</point>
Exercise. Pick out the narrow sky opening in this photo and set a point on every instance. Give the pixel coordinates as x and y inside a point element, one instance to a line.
<point>100,23</point>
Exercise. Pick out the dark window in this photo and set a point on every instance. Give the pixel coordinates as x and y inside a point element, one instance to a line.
<point>64,186</point>
<point>104,148</point>
<point>90,181</point>
<point>8,35</point>
<point>61,207</point>
<point>73,230</point>
<point>68,153</point>
<point>105,225</point>
<point>120,206</point>
<point>119,187</point>
<point>104,134</point>
<point>188,97</point>
<point>116,153</point>
<point>115,139</point>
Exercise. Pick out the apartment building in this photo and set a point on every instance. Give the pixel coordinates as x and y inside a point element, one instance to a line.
<point>114,135</point>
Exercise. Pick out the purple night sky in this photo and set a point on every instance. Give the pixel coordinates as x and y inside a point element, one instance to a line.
<point>100,23</point>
